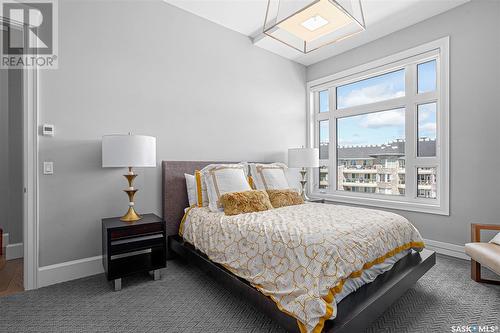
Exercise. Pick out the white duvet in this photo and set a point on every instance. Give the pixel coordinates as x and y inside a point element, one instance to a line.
<point>306,258</point>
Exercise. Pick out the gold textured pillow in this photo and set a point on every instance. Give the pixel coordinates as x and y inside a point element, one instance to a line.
<point>282,198</point>
<point>235,203</point>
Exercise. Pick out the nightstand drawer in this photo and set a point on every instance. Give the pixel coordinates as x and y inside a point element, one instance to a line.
<point>136,243</point>
<point>133,231</point>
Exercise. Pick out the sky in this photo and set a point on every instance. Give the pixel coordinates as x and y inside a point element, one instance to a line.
<point>385,126</point>
<point>427,121</point>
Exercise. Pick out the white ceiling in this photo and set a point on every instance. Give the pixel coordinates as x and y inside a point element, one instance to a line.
<point>382,17</point>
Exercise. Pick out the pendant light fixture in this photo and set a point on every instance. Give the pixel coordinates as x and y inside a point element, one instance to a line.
<point>309,25</point>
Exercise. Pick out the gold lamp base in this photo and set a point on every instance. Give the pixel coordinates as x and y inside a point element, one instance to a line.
<point>131,216</point>
<point>303,183</point>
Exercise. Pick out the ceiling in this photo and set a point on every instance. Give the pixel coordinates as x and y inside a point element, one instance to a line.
<point>382,17</point>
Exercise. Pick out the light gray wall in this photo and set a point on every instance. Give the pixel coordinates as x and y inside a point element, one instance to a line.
<point>15,208</point>
<point>4,147</point>
<point>204,91</point>
<point>474,31</point>
<point>11,159</point>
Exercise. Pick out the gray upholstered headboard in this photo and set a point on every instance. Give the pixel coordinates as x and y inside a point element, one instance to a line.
<point>174,193</point>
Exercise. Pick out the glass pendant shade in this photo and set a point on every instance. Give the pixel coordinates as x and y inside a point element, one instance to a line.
<point>309,25</point>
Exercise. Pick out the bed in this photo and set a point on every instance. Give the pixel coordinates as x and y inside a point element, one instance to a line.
<point>353,313</point>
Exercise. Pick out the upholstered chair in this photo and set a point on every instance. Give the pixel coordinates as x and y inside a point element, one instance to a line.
<point>481,253</point>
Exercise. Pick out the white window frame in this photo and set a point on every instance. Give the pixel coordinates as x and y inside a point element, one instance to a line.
<point>439,50</point>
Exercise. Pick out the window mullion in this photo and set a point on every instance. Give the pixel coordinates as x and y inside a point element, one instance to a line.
<point>426,161</point>
<point>311,119</point>
<point>313,138</point>
<point>332,153</point>
<point>322,116</point>
<point>411,132</point>
<point>390,104</point>
<point>427,97</point>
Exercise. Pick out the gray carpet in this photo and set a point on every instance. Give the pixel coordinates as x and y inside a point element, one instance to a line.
<point>186,300</point>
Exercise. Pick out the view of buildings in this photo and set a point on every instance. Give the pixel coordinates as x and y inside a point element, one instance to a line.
<point>379,169</point>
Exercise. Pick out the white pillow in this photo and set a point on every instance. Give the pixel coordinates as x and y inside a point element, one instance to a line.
<point>194,184</point>
<point>224,178</point>
<point>269,176</point>
<point>496,239</point>
<point>201,189</point>
<point>191,189</point>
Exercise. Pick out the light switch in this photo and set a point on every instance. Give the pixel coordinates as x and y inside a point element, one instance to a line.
<point>48,168</point>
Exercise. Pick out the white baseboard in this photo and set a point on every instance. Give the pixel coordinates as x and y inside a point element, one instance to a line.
<point>69,270</point>
<point>14,251</point>
<point>448,249</point>
<point>5,239</point>
<point>75,269</point>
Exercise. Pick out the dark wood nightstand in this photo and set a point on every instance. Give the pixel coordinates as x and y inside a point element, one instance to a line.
<point>130,248</point>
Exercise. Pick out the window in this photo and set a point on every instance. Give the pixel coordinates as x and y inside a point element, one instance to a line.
<point>426,76</point>
<point>388,124</point>
<point>426,119</point>
<point>323,101</point>
<point>361,137</point>
<point>426,182</point>
<point>324,139</point>
<point>374,89</point>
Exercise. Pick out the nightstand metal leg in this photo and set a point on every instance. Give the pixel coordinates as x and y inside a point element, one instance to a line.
<point>118,284</point>
<point>156,274</point>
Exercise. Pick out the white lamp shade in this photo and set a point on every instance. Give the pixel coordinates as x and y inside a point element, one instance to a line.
<point>121,151</point>
<point>303,158</point>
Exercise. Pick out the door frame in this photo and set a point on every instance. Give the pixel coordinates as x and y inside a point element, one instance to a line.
<point>30,166</point>
<point>30,178</point>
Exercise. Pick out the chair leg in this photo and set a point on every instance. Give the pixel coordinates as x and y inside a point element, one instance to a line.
<point>475,272</point>
<point>496,282</point>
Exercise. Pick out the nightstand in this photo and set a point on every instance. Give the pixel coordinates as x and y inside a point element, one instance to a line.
<point>130,248</point>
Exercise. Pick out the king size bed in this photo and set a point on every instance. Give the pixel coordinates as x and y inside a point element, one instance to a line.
<point>312,268</point>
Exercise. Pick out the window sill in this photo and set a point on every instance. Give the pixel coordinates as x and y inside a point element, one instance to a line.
<point>415,206</point>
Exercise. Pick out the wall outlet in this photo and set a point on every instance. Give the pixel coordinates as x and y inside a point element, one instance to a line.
<point>48,168</point>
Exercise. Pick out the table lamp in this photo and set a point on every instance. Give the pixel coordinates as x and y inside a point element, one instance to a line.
<point>129,151</point>
<point>303,158</point>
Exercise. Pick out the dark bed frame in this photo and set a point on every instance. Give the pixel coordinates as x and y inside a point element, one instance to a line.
<point>354,313</point>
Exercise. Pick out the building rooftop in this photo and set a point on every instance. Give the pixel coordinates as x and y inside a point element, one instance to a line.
<point>426,147</point>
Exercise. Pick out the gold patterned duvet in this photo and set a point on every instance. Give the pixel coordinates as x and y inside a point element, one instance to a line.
<point>300,256</point>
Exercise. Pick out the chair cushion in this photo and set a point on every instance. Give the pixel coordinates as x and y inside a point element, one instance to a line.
<point>496,239</point>
<point>486,254</point>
